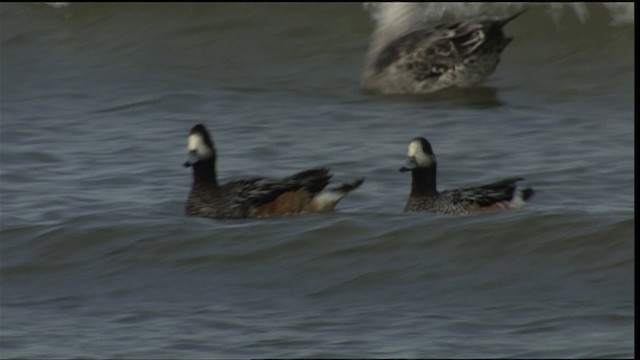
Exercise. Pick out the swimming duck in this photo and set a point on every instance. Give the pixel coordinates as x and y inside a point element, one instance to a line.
<point>459,54</point>
<point>425,197</point>
<point>255,197</point>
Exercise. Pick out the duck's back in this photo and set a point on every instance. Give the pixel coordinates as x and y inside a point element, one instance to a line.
<point>251,197</point>
<point>458,54</point>
<point>499,195</point>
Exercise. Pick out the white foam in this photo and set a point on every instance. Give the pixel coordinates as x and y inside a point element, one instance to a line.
<point>389,15</point>
<point>392,20</point>
<point>622,13</point>
<point>397,18</point>
<point>58,4</point>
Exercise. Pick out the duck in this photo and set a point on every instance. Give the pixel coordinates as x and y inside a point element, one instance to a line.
<point>256,197</point>
<point>459,54</point>
<point>425,197</point>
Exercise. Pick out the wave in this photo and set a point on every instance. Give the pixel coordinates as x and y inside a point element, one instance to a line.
<point>407,15</point>
<point>399,13</point>
<point>59,4</point>
<point>587,241</point>
<point>620,12</point>
<point>395,19</point>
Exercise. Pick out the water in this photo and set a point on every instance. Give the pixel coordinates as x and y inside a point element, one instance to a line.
<point>99,260</point>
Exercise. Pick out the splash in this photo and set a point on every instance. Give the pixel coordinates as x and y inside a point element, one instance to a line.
<point>58,4</point>
<point>622,13</point>
<point>395,19</point>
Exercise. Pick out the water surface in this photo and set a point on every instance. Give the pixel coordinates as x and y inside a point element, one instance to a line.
<point>99,260</point>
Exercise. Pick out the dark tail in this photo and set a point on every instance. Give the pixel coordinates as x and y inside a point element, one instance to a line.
<point>348,187</point>
<point>526,193</point>
<point>314,180</point>
<point>312,173</point>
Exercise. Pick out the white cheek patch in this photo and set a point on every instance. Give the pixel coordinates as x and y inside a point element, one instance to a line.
<point>196,143</point>
<point>414,148</point>
<point>422,159</point>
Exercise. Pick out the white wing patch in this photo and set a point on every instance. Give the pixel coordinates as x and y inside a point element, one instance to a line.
<point>326,200</point>
<point>517,201</point>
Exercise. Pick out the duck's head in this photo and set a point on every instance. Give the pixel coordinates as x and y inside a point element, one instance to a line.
<point>420,155</point>
<point>199,145</point>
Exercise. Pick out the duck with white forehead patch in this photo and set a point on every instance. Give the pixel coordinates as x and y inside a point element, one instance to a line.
<point>459,54</point>
<point>425,197</point>
<point>258,196</point>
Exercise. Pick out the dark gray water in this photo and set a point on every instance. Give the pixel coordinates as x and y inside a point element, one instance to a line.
<point>99,260</point>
